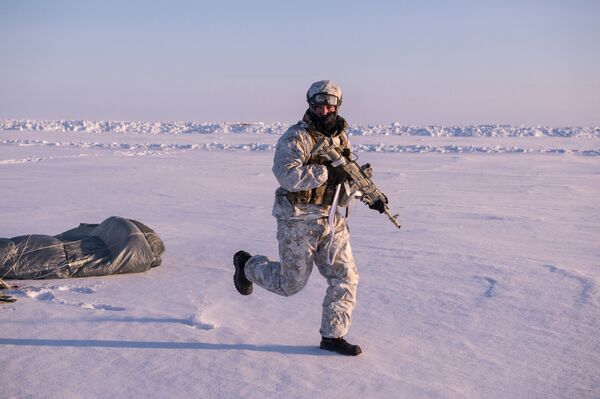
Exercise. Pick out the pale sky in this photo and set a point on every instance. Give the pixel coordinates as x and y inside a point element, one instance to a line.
<point>416,63</point>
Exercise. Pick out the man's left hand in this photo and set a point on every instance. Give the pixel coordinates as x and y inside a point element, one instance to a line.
<point>378,205</point>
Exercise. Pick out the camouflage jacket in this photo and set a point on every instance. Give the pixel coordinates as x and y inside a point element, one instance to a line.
<point>295,172</point>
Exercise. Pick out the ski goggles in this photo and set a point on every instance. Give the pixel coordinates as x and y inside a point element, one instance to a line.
<point>323,98</point>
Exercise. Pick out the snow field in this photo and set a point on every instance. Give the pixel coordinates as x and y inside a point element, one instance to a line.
<point>489,290</point>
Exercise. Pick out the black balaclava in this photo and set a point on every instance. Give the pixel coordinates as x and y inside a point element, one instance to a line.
<point>325,124</point>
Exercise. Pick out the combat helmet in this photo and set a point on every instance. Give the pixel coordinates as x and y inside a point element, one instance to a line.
<point>324,92</point>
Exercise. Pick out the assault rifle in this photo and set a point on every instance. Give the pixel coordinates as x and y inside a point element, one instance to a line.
<point>370,192</point>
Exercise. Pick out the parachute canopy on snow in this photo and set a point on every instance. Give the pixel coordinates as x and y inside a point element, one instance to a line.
<point>115,246</point>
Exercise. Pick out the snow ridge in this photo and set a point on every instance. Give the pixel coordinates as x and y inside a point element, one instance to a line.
<point>276,128</point>
<point>167,148</point>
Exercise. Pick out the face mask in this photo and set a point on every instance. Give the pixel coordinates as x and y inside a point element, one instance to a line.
<point>325,123</point>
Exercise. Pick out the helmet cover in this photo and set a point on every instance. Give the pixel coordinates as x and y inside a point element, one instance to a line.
<point>324,92</point>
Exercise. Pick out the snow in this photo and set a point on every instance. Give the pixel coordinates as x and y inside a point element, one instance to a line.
<point>489,290</point>
<point>277,128</point>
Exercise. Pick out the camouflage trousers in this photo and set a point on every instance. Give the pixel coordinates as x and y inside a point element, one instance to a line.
<point>302,243</point>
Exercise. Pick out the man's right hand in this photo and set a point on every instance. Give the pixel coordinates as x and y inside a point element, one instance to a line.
<point>336,175</point>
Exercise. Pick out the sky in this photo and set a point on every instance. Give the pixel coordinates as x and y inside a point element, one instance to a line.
<point>411,62</point>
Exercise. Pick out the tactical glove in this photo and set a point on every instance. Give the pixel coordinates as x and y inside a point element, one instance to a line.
<point>378,205</point>
<point>336,175</point>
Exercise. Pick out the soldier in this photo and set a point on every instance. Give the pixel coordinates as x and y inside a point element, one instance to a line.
<point>301,207</point>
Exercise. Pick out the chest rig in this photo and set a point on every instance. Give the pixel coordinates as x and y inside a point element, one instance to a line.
<point>322,195</point>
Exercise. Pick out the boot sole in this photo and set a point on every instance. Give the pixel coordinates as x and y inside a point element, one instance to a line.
<point>240,286</point>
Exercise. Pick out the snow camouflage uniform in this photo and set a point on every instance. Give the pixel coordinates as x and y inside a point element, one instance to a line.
<point>303,231</point>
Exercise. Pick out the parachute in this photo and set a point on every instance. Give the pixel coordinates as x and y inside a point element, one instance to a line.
<point>115,246</point>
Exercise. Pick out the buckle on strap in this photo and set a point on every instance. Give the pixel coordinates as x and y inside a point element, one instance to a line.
<point>299,197</point>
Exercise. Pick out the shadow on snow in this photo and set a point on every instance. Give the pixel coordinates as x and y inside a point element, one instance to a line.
<point>94,343</point>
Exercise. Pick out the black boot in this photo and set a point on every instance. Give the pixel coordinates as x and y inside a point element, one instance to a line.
<point>341,346</point>
<point>242,284</point>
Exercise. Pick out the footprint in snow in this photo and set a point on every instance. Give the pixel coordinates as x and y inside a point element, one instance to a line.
<point>199,320</point>
<point>196,321</point>
<point>47,294</point>
<point>79,290</point>
<point>101,307</point>
<point>490,284</point>
<point>586,284</point>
